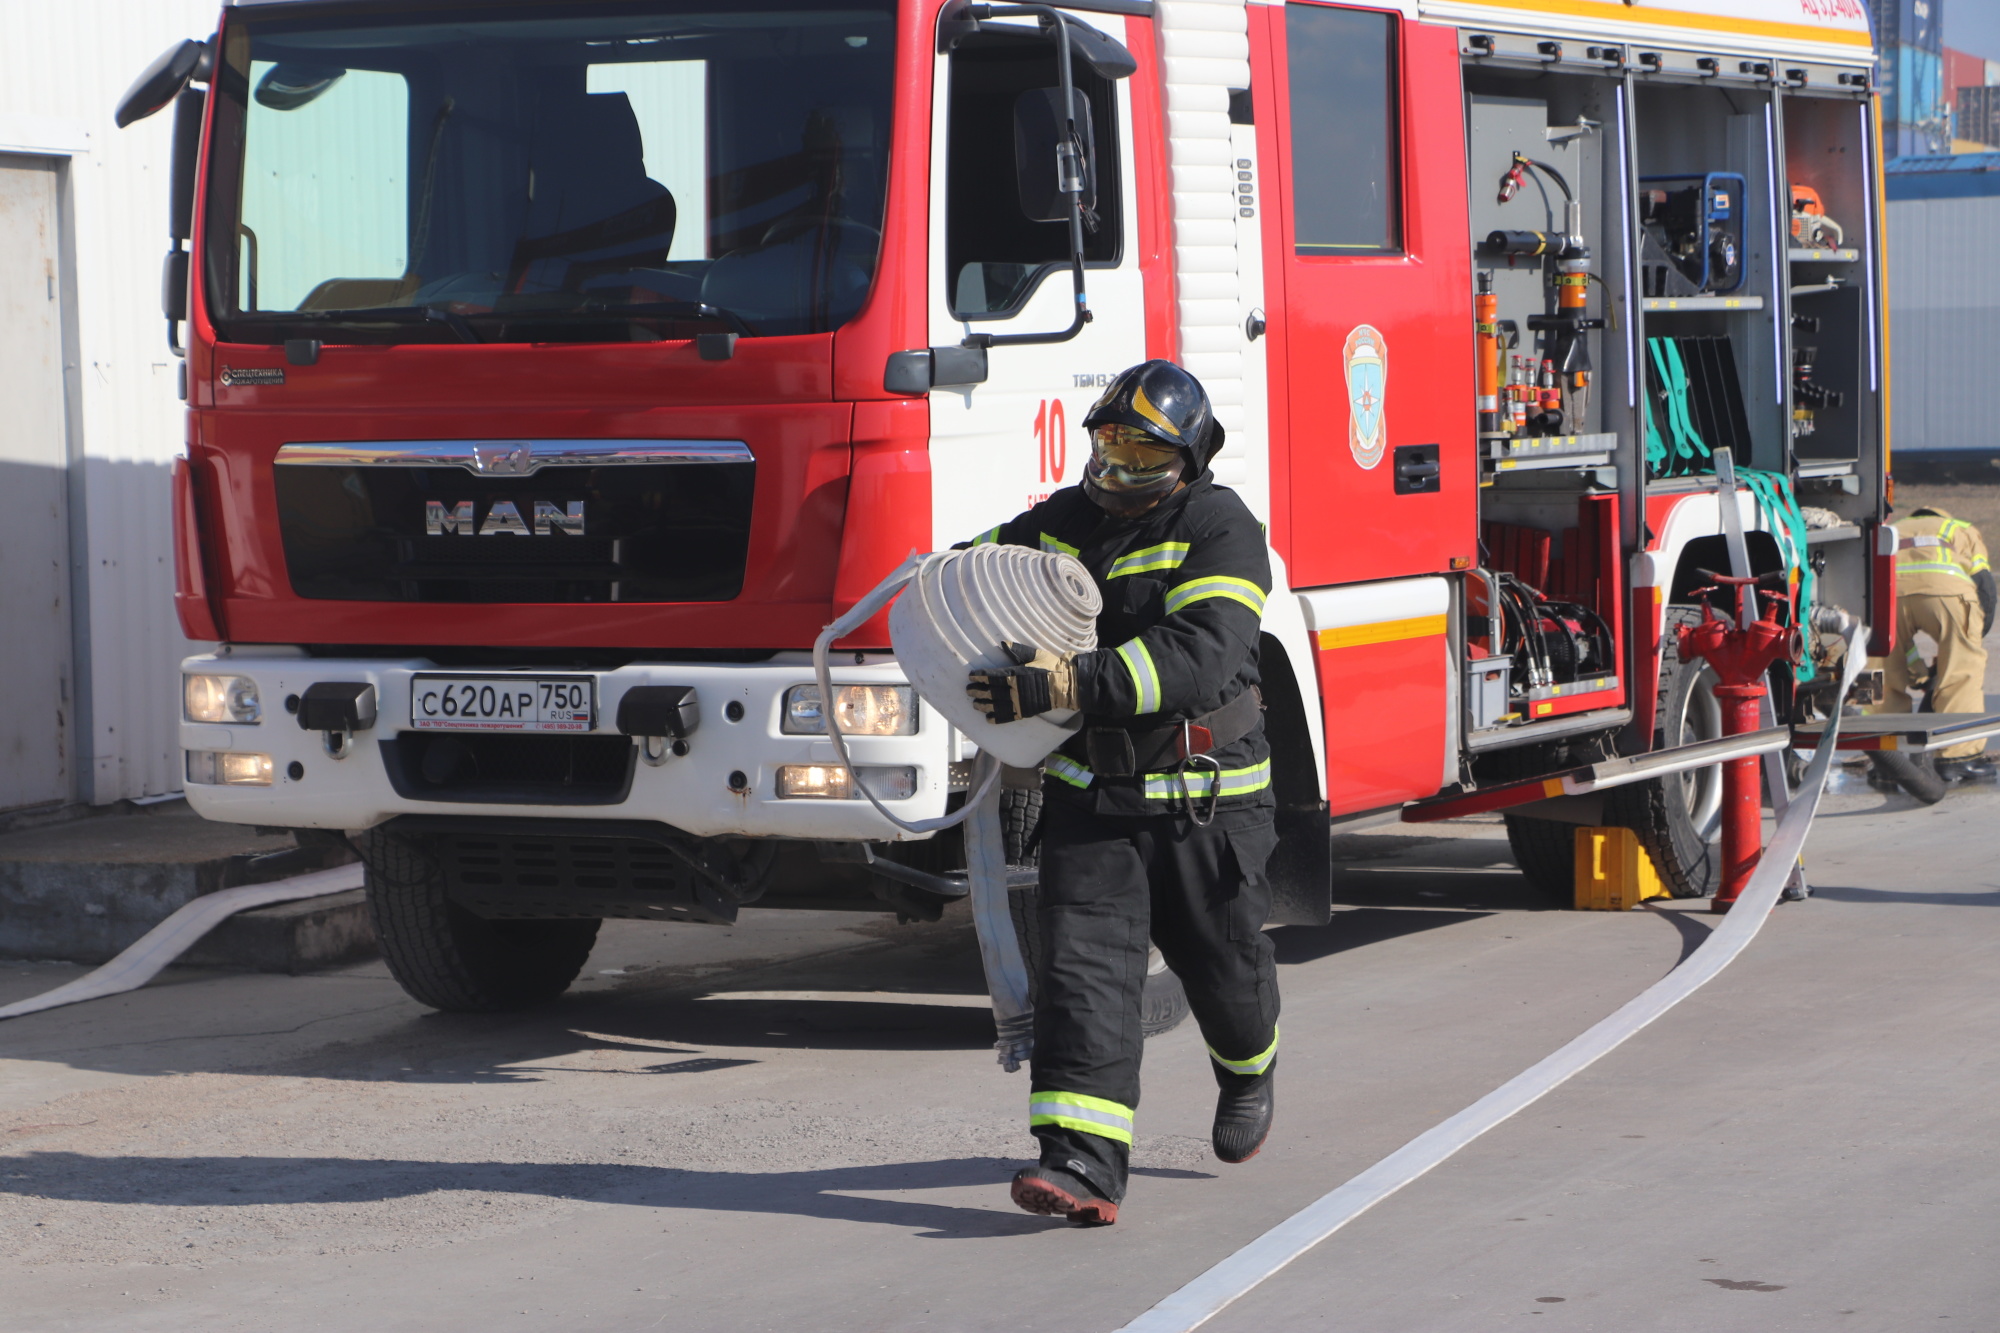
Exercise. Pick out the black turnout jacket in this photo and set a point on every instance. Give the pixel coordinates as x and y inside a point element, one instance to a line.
<point>1184,586</point>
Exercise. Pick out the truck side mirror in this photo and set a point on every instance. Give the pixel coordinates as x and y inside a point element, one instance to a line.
<point>174,290</point>
<point>1105,54</point>
<point>179,65</point>
<point>1039,159</point>
<point>189,107</point>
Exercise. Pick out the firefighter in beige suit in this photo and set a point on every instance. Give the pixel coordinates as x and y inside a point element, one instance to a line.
<point>1944,587</point>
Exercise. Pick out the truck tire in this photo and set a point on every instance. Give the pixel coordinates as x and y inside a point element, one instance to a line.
<point>1545,850</point>
<point>1020,815</point>
<point>450,959</point>
<point>1679,817</point>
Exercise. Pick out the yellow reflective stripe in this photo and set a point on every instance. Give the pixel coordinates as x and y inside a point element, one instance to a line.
<point>1112,1132</point>
<point>1235,782</point>
<point>1084,1101</point>
<point>1167,555</point>
<point>1256,1064</point>
<point>1980,562</point>
<point>1382,631</point>
<point>1951,526</point>
<point>1931,567</point>
<point>1074,1110</point>
<point>1054,547</point>
<point>988,537</point>
<point>1068,770</point>
<point>1145,676</point>
<point>1183,595</point>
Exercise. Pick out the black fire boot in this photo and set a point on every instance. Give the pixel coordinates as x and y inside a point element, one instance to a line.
<point>1053,1191</point>
<point>1243,1111</point>
<point>1977,768</point>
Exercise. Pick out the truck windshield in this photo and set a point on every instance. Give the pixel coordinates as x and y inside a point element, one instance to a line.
<point>562,172</point>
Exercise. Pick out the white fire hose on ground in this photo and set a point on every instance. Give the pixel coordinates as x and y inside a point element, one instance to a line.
<point>957,612</point>
<point>152,952</point>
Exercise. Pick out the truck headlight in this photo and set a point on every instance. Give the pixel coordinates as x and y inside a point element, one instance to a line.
<point>830,782</point>
<point>220,699</point>
<point>228,768</point>
<point>864,710</point>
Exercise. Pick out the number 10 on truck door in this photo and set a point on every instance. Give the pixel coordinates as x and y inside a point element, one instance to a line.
<point>1052,439</point>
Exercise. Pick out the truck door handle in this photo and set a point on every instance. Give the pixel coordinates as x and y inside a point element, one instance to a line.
<point>1417,470</point>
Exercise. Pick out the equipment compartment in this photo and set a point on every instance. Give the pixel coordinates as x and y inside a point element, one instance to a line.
<point>1548,165</point>
<point>1712,303</point>
<point>1831,259</point>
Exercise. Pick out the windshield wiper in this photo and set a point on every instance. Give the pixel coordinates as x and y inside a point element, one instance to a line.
<point>389,314</point>
<point>526,314</point>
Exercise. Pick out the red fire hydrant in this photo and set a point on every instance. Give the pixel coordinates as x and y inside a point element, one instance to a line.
<point>1740,655</point>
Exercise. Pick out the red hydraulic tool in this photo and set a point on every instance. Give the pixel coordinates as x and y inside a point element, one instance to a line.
<point>1740,651</point>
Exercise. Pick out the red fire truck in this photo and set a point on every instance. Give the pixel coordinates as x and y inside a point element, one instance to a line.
<point>555,371</point>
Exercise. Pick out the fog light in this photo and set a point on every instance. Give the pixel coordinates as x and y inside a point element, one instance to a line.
<point>865,710</point>
<point>226,768</point>
<point>829,782</point>
<point>220,699</point>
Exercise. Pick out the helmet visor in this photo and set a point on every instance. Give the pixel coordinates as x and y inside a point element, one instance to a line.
<point>1128,459</point>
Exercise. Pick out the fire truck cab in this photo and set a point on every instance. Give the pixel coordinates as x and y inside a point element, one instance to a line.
<point>555,371</point>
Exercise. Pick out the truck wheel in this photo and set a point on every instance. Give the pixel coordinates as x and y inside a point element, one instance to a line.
<point>1679,818</point>
<point>1545,850</point>
<point>1020,814</point>
<point>450,959</point>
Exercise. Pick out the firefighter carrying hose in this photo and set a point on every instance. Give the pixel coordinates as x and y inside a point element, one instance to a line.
<point>1944,587</point>
<point>1157,814</point>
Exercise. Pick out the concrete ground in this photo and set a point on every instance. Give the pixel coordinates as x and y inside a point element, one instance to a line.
<point>796,1123</point>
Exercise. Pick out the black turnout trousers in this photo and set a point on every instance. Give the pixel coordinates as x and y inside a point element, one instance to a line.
<point>1108,883</point>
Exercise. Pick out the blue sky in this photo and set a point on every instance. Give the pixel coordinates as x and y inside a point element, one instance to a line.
<point>1973,26</point>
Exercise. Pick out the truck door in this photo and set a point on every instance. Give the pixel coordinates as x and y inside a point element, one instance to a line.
<point>1373,472</point>
<point>1001,445</point>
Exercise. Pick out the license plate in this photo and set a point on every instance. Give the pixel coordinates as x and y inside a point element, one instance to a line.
<point>503,703</point>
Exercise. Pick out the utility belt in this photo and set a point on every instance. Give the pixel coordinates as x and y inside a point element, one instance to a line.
<point>1123,752</point>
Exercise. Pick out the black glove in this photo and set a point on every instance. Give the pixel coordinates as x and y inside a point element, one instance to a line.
<point>1040,682</point>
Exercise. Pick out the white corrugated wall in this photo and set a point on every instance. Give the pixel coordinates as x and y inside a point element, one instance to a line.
<point>1206,49</point>
<point>1944,321</point>
<point>63,66</point>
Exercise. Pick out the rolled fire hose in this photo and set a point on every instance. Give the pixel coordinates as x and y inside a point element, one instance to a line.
<point>958,611</point>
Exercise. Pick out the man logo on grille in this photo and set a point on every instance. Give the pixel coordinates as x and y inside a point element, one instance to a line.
<point>503,519</point>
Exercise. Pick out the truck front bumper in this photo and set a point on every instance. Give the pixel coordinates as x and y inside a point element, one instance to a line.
<point>725,785</point>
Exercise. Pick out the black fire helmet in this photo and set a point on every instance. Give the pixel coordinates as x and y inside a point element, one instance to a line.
<point>1166,402</point>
